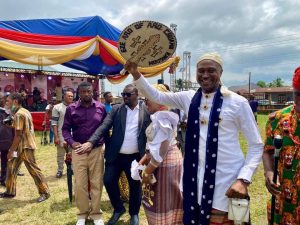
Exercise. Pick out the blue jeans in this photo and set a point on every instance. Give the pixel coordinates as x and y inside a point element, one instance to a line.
<point>51,134</point>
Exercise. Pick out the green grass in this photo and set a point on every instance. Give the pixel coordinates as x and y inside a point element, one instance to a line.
<point>258,192</point>
<point>23,209</point>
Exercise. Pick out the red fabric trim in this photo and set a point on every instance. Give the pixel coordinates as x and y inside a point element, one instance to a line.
<point>41,39</point>
<point>106,57</point>
<point>104,54</point>
<point>115,77</point>
<point>114,43</point>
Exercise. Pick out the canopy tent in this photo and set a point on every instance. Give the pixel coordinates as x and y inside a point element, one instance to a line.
<point>88,44</point>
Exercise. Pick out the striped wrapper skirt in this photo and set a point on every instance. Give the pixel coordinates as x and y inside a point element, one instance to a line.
<point>163,200</point>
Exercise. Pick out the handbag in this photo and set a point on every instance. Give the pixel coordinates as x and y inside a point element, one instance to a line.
<point>239,210</point>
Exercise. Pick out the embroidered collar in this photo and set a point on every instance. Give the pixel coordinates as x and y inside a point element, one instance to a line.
<point>224,91</point>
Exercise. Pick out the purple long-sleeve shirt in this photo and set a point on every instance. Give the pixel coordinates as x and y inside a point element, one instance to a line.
<point>80,122</point>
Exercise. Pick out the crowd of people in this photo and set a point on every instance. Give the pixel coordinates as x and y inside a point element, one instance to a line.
<point>178,180</point>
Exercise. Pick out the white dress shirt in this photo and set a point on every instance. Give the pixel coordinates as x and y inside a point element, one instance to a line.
<point>57,119</point>
<point>236,115</point>
<point>130,144</point>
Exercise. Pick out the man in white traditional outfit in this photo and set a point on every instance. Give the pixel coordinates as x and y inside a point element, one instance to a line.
<point>214,165</point>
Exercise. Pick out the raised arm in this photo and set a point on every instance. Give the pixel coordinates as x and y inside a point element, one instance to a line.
<point>180,100</point>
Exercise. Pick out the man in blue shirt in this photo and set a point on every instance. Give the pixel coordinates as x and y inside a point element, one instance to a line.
<point>108,100</point>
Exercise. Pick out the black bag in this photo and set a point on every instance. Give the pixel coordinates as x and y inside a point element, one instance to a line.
<point>6,133</point>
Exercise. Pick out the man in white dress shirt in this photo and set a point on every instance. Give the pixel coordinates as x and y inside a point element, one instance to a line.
<point>215,118</point>
<point>57,121</point>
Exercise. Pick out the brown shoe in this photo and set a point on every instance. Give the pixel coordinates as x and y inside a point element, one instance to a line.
<point>43,197</point>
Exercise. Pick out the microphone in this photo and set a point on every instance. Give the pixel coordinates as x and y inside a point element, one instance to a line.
<point>277,142</point>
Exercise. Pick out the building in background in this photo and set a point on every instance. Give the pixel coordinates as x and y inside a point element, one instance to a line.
<point>48,83</point>
<point>40,86</point>
<point>275,95</point>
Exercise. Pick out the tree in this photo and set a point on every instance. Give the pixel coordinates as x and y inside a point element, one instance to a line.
<point>278,82</point>
<point>261,84</point>
<point>179,84</point>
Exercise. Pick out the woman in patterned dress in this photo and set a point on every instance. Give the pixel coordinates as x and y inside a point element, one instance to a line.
<point>162,200</point>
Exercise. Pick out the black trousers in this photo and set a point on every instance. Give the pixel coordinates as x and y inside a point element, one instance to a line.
<point>3,166</point>
<point>111,177</point>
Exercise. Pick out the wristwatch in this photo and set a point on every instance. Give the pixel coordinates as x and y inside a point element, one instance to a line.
<point>245,181</point>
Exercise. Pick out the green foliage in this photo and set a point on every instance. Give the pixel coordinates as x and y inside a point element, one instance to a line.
<point>278,82</point>
<point>179,84</point>
<point>261,84</point>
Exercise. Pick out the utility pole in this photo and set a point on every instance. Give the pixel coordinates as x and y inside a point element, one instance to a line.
<point>101,86</point>
<point>173,76</point>
<point>249,82</point>
<point>187,67</point>
<point>189,63</point>
<point>162,78</point>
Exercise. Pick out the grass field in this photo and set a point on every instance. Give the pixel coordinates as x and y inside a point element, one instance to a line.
<point>23,209</point>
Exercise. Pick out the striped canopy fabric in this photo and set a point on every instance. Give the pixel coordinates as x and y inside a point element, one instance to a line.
<point>88,44</point>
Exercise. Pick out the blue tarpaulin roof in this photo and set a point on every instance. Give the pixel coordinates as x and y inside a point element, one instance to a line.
<point>83,26</point>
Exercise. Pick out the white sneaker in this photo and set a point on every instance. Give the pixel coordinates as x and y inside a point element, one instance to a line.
<point>80,222</point>
<point>98,222</point>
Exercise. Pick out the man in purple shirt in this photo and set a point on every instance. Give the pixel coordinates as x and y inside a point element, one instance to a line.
<point>82,118</point>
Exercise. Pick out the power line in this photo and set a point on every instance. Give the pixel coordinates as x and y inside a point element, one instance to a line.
<point>250,43</point>
<point>273,58</point>
<point>238,48</point>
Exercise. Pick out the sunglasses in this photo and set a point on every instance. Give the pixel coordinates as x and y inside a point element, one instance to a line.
<point>127,94</point>
<point>297,93</point>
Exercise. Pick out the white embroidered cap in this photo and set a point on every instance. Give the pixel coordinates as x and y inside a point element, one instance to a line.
<point>214,56</point>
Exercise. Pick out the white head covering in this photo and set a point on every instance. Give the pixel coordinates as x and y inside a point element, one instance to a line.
<point>214,56</point>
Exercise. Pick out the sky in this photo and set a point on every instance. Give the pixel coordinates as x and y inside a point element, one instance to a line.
<point>261,37</point>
